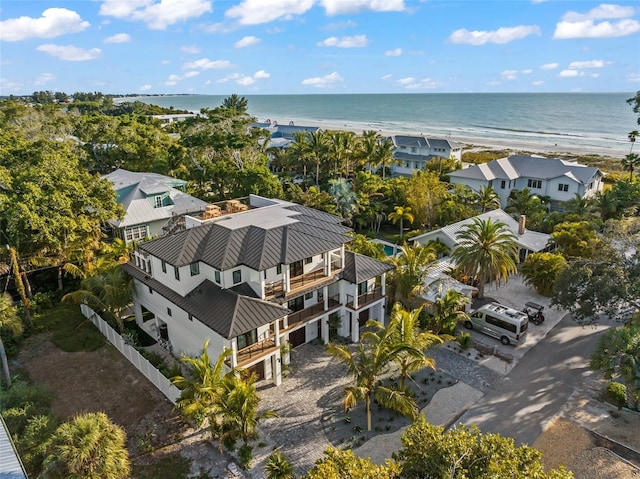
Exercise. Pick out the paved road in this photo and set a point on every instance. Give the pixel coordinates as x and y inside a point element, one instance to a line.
<point>538,387</point>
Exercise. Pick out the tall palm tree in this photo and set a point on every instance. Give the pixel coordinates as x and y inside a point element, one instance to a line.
<point>9,323</point>
<point>366,148</point>
<point>299,150</point>
<point>486,250</point>
<point>540,271</point>
<point>317,149</point>
<point>488,199</point>
<point>89,446</point>
<point>632,138</point>
<point>345,198</point>
<point>399,214</point>
<point>235,102</point>
<point>408,279</point>
<point>108,292</point>
<point>200,390</point>
<point>405,329</point>
<point>579,206</point>
<point>341,145</point>
<point>524,202</point>
<point>383,155</point>
<point>367,363</point>
<point>618,356</point>
<point>630,163</point>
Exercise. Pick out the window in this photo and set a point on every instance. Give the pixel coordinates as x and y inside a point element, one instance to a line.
<point>190,317</point>
<point>563,187</point>
<point>195,269</point>
<point>247,339</point>
<point>414,149</point>
<point>164,266</point>
<point>237,276</point>
<point>308,260</point>
<point>176,272</point>
<point>158,201</point>
<point>503,184</point>
<point>407,164</point>
<point>362,288</point>
<point>169,313</point>
<point>149,266</point>
<point>135,233</point>
<point>279,269</point>
<point>591,185</point>
<point>150,290</point>
<point>501,323</point>
<point>308,296</point>
<point>216,276</point>
<point>320,295</point>
<point>534,183</point>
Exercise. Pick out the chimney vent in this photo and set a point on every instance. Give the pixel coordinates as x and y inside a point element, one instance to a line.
<point>521,224</point>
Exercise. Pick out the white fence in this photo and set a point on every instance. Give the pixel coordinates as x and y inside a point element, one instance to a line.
<point>134,357</point>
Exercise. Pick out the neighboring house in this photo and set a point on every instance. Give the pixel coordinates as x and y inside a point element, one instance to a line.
<point>438,282</point>
<point>154,204</point>
<point>412,153</point>
<point>559,180</point>
<point>10,464</point>
<point>168,119</point>
<point>283,135</point>
<point>528,241</point>
<point>253,281</point>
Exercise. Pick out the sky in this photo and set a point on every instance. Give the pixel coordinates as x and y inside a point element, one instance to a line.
<point>252,47</point>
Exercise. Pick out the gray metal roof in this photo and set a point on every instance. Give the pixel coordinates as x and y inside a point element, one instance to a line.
<point>422,142</point>
<point>279,234</point>
<point>359,267</point>
<point>228,312</point>
<point>134,190</point>
<point>404,156</point>
<point>518,166</point>
<point>531,240</point>
<point>10,464</point>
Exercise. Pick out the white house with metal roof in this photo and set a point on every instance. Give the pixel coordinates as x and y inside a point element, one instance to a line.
<point>557,179</point>
<point>154,204</point>
<point>412,153</point>
<point>253,279</point>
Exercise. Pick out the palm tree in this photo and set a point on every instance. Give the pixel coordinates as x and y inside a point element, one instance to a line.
<point>540,271</point>
<point>10,323</point>
<point>630,163</point>
<point>383,155</point>
<point>20,284</point>
<point>579,206</point>
<point>448,309</point>
<point>238,407</point>
<point>405,328</point>
<point>408,278</point>
<point>317,149</point>
<point>278,466</point>
<point>109,292</point>
<point>199,393</point>
<point>524,203</point>
<point>488,199</point>
<point>89,446</point>
<point>400,214</point>
<point>341,145</point>
<point>345,198</point>
<point>618,356</point>
<point>235,102</point>
<point>366,148</point>
<point>486,249</point>
<point>632,138</point>
<point>367,363</point>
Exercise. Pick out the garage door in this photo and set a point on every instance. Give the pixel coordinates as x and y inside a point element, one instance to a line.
<point>257,369</point>
<point>298,337</point>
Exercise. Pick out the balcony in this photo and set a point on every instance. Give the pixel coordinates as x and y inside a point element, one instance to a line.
<point>365,299</point>
<point>256,351</point>
<point>310,280</point>
<point>312,312</point>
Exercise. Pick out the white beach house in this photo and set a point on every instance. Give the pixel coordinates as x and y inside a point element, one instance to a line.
<point>412,153</point>
<point>557,179</point>
<point>252,279</point>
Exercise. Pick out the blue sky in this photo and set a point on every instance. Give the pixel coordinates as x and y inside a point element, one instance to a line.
<point>251,47</point>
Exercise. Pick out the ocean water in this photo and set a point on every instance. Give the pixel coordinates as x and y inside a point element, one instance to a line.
<point>586,122</point>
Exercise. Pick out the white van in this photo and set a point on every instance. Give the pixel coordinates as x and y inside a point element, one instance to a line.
<point>501,322</point>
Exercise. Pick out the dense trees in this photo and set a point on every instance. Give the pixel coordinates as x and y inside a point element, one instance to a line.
<point>541,270</point>
<point>9,323</point>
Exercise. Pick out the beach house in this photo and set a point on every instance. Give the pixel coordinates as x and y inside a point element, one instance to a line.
<point>558,180</point>
<point>255,280</point>
<point>282,135</point>
<point>412,153</point>
<point>154,204</point>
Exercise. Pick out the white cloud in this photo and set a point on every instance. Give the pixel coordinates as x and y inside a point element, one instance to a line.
<point>255,12</point>
<point>190,49</point>
<point>157,15</point>
<point>44,78</point>
<point>339,25</point>
<point>345,7</point>
<point>569,73</point>
<point>53,23</point>
<point>509,74</point>
<point>411,83</point>
<point>327,81</point>
<point>118,38</point>
<point>633,77</point>
<point>356,41</point>
<point>261,74</point>
<point>587,64</point>
<point>550,66</point>
<point>406,81</point>
<point>8,86</point>
<point>528,71</point>
<point>500,36</point>
<point>388,76</point>
<point>537,83</point>
<point>586,25</point>
<point>246,41</point>
<point>174,79</point>
<point>69,53</point>
<point>146,87</point>
<point>396,52</point>
<point>245,80</point>
<point>206,64</point>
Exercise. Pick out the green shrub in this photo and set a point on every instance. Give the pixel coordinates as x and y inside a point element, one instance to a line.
<point>245,455</point>
<point>465,341</point>
<point>616,394</point>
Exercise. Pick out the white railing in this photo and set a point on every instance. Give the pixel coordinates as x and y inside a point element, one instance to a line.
<point>140,362</point>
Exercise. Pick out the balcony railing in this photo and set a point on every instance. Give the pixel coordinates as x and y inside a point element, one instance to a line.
<point>256,350</point>
<point>276,289</point>
<point>365,299</point>
<point>312,312</point>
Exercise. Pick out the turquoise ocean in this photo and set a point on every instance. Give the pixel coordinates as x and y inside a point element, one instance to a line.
<point>588,122</point>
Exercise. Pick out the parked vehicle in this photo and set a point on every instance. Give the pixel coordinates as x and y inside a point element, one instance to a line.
<point>534,312</point>
<point>499,321</point>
